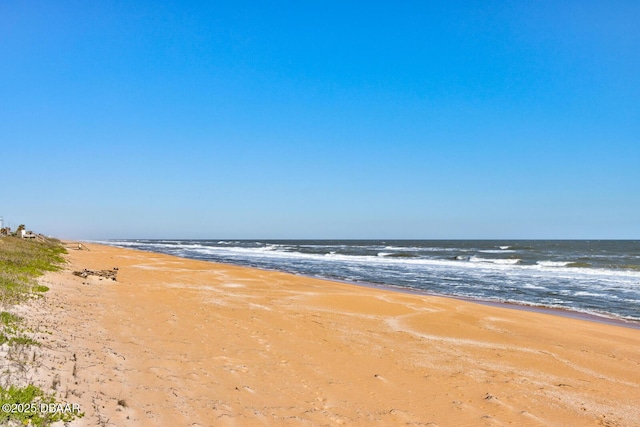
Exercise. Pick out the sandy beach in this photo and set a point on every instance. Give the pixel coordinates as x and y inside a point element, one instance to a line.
<point>178,342</point>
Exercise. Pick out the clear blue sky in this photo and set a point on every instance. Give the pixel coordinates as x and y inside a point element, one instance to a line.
<point>417,119</point>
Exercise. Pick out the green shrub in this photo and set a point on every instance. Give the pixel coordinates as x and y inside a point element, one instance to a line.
<point>9,319</point>
<point>31,400</point>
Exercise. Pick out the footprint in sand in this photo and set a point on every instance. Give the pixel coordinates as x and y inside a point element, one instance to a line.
<point>173,319</point>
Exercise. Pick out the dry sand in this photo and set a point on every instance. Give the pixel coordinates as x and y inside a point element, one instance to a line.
<point>176,342</point>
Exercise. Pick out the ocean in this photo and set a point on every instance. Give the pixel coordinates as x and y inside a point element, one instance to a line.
<point>596,277</point>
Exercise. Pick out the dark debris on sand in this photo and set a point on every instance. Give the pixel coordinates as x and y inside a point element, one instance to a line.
<point>107,274</point>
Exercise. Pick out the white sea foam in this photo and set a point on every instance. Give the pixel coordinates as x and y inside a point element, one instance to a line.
<point>274,251</point>
<point>512,265</point>
<point>508,261</point>
<point>591,294</point>
<point>422,249</point>
<point>531,286</point>
<point>553,263</point>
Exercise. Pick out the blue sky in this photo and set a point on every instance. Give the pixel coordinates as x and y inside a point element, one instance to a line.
<point>137,119</point>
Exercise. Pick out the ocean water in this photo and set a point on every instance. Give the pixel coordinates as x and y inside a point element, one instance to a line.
<point>598,277</point>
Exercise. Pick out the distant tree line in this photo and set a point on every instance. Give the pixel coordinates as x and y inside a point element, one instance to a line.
<point>6,231</point>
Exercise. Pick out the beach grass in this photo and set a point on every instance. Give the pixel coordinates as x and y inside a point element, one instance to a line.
<point>21,263</point>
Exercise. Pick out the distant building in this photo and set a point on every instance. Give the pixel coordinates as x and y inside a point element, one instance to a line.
<point>28,234</point>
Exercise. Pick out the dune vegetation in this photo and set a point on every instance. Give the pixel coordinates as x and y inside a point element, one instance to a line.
<point>22,261</point>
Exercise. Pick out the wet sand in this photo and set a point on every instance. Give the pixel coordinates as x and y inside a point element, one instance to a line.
<point>190,343</point>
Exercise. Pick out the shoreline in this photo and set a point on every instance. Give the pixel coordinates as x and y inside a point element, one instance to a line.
<point>555,311</point>
<point>175,341</point>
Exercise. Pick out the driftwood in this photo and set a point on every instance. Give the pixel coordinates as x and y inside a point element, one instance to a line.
<point>76,246</point>
<point>107,274</point>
